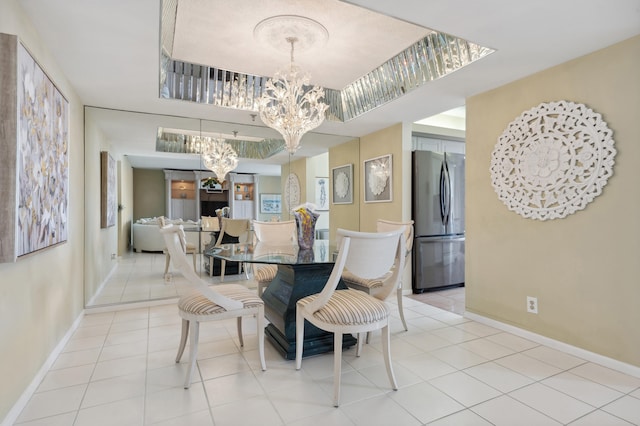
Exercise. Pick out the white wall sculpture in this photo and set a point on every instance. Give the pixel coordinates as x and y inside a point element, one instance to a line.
<point>552,160</point>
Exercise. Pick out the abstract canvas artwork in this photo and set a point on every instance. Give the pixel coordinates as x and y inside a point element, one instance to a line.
<point>34,177</point>
<point>43,158</point>
<point>108,202</point>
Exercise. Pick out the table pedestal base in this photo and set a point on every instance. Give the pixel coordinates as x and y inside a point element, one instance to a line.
<point>292,283</point>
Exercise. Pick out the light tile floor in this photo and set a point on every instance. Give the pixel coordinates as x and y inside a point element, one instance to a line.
<point>118,369</point>
<point>451,299</point>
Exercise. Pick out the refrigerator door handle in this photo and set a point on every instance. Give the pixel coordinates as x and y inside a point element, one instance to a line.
<point>442,194</point>
<point>445,191</point>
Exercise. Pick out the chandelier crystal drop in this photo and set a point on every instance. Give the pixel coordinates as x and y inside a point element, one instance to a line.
<point>290,106</point>
<point>218,156</point>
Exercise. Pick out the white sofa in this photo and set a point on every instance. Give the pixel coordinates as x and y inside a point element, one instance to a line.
<point>147,237</point>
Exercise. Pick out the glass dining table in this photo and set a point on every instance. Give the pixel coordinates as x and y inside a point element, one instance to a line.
<point>300,274</point>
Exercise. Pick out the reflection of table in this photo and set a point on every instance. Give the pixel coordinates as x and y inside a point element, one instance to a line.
<point>300,273</point>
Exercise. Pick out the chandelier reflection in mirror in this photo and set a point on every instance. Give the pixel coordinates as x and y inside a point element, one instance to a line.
<point>290,106</point>
<point>218,156</point>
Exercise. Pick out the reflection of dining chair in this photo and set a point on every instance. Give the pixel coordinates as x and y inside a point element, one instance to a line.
<point>209,225</point>
<point>276,233</point>
<point>238,229</point>
<point>367,255</point>
<point>202,303</point>
<point>190,249</point>
<point>375,286</point>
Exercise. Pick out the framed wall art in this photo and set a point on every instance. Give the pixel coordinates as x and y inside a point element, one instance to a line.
<point>270,203</point>
<point>108,202</point>
<point>322,193</point>
<point>34,168</point>
<point>342,184</point>
<point>378,179</point>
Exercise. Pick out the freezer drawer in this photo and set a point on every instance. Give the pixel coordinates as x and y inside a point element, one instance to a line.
<point>437,262</point>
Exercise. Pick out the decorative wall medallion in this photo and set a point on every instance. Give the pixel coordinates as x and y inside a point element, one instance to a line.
<point>552,160</point>
<point>292,191</point>
<point>342,184</point>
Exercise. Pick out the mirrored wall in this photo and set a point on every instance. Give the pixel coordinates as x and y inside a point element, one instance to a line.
<point>114,272</point>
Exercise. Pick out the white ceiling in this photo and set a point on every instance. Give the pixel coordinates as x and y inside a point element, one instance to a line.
<point>109,50</point>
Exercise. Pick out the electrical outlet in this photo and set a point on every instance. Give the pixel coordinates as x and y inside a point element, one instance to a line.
<point>113,256</point>
<point>532,304</point>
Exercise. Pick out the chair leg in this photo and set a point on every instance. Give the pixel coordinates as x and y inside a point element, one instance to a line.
<point>359,345</point>
<point>299,338</point>
<point>239,327</point>
<point>260,319</point>
<point>246,270</point>
<point>194,262</point>
<point>386,351</point>
<point>401,309</point>
<point>193,352</point>
<point>368,337</point>
<point>337,367</point>
<point>183,339</point>
<point>167,262</point>
<point>223,266</point>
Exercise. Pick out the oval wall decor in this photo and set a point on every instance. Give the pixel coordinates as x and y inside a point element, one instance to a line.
<point>292,191</point>
<point>552,160</point>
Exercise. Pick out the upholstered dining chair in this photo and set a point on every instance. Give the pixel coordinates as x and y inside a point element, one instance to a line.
<point>276,233</point>
<point>375,286</point>
<point>238,229</point>
<point>203,303</point>
<point>367,255</point>
<point>190,249</point>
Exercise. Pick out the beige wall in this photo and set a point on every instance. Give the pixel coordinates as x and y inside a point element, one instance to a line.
<point>268,185</point>
<point>583,269</point>
<point>101,244</point>
<point>345,216</point>
<point>149,193</point>
<point>41,293</point>
<point>125,205</point>
<point>382,142</point>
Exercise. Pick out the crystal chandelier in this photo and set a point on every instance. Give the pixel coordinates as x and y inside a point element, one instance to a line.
<point>290,106</point>
<point>218,156</point>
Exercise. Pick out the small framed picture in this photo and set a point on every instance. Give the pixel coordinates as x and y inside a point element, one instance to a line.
<point>322,193</point>
<point>378,179</point>
<point>270,203</point>
<point>342,184</point>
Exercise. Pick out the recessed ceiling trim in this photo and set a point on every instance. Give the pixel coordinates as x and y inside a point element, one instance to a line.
<point>186,142</point>
<point>434,56</point>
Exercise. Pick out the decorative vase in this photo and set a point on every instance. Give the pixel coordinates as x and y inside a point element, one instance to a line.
<point>306,224</point>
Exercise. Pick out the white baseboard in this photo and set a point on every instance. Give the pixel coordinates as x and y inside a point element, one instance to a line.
<point>611,363</point>
<point>104,283</point>
<point>17,408</point>
<point>124,306</point>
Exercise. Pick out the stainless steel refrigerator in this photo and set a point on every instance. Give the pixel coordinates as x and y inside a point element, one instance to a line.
<point>438,213</point>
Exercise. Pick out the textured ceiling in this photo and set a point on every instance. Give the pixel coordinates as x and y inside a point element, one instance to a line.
<point>211,32</point>
<point>109,51</point>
